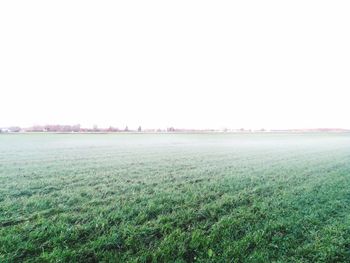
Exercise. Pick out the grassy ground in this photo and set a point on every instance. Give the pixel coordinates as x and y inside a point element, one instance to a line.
<point>175,198</point>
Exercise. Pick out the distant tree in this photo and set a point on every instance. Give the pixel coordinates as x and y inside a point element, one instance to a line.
<point>126,128</point>
<point>139,129</point>
<point>95,127</point>
<point>15,129</point>
<point>76,128</point>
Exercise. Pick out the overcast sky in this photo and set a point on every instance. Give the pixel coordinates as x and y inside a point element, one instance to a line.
<point>195,64</point>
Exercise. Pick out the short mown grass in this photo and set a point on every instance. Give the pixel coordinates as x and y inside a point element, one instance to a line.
<point>175,198</point>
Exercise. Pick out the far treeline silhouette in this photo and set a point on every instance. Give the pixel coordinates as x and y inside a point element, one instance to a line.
<point>95,129</point>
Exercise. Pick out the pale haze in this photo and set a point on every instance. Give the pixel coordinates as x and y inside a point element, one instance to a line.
<point>187,64</point>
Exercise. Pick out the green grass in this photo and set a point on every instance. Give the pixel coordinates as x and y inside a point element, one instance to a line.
<point>175,198</point>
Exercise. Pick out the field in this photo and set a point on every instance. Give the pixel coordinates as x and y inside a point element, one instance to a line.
<point>175,197</point>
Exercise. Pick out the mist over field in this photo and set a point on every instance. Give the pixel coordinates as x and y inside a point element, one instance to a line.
<point>174,131</point>
<point>175,197</point>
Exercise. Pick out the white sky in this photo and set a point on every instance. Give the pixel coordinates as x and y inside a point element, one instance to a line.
<point>195,64</point>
